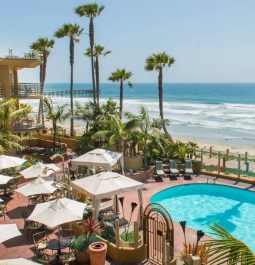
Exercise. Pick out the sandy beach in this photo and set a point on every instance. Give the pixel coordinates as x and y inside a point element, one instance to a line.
<point>79,129</point>
<point>220,147</point>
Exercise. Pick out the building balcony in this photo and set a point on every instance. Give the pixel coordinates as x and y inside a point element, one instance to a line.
<point>28,124</point>
<point>27,90</point>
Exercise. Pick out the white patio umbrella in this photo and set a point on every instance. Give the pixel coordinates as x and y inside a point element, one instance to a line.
<point>4,179</point>
<point>8,231</point>
<point>39,170</point>
<point>57,212</point>
<point>99,158</point>
<point>36,187</point>
<point>10,161</point>
<point>105,185</point>
<point>19,261</point>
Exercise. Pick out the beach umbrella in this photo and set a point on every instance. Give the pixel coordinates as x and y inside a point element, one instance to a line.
<point>8,231</point>
<point>39,170</point>
<point>10,161</point>
<point>19,261</point>
<point>36,187</point>
<point>57,212</point>
<point>4,179</point>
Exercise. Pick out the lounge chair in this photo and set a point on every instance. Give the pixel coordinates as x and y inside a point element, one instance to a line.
<point>173,170</point>
<point>188,170</point>
<point>159,171</point>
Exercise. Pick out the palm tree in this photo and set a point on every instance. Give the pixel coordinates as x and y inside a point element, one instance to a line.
<point>116,133</point>
<point>120,75</point>
<point>9,116</point>
<point>56,115</point>
<point>91,11</point>
<point>147,130</point>
<point>158,62</point>
<point>226,249</point>
<point>43,47</point>
<point>73,31</point>
<point>98,51</point>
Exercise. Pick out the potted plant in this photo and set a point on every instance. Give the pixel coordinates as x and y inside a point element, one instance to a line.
<point>81,243</point>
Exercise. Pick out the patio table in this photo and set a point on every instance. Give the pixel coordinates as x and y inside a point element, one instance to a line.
<point>58,244</point>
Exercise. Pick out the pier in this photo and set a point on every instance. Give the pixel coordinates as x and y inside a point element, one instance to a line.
<point>77,93</point>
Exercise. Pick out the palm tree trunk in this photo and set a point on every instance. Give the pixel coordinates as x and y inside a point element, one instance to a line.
<point>97,78</point>
<point>145,156</point>
<point>71,84</point>
<point>91,39</point>
<point>45,59</point>
<point>121,98</point>
<point>41,85</point>
<point>160,94</point>
<point>54,127</point>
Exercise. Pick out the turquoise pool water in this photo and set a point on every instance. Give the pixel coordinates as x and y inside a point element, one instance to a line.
<point>202,204</point>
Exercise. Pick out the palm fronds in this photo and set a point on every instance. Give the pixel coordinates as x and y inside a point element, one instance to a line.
<point>227,249</point>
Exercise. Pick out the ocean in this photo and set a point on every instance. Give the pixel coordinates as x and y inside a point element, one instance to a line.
<point>221,113</point>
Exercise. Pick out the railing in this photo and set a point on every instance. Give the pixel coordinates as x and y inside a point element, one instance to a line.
<point>28,124</point>
<point>27,55</point>
<point>26,90</point>
<point>226,162</point>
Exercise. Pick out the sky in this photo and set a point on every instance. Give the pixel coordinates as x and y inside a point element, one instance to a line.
<point>211,40</point>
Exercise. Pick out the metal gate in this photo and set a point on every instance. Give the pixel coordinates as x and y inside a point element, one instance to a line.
<point>158,233</point>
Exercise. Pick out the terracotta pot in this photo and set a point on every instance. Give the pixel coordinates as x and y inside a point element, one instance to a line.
<point>97,253</point>
<point>82,257</point>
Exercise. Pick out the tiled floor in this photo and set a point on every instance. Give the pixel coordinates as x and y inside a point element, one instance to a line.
<point>23,247</point>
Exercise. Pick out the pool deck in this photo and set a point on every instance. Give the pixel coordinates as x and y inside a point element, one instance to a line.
<point>23,246</point>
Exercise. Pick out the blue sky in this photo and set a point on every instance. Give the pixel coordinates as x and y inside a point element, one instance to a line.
<point>211,40</point>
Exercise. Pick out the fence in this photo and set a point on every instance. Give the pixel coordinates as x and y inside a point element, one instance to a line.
<point>226,163</point>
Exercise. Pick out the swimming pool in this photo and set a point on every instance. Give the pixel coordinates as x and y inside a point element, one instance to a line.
<point>202,204</point>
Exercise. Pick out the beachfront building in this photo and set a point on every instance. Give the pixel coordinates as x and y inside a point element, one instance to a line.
<point>10,87</point>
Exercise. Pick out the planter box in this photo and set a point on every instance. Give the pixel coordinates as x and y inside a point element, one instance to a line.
<point>142,176</point>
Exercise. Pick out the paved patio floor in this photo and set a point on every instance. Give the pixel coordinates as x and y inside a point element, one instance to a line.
<point>23,246</point>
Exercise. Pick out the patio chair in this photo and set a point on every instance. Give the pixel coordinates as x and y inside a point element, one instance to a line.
<point>3,212</point>
<point>188,170</point>
<point>67,257</point>
<point>105,209</point>
<point>40,241</point>
<point>173,170</point>
<point>159,172</point>
<point>44,258</point>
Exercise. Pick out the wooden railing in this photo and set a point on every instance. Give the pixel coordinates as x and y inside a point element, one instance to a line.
<point>26,90</point>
